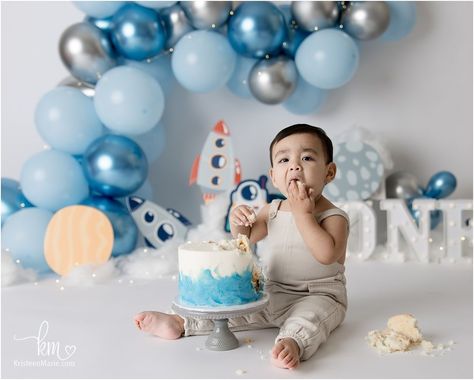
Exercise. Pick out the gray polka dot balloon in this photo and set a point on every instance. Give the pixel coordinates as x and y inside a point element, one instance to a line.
<point>359,172</point>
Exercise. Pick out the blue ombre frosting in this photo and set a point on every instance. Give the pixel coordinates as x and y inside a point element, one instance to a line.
<point>207,290</point>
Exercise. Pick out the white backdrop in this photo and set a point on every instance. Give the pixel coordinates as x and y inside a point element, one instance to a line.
<point>415,94</point>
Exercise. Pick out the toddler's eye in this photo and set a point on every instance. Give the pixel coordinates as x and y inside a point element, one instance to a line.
<point>283,160</point>
<point>307,158</point>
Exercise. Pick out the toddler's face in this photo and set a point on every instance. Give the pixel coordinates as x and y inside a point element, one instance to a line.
<point>301,157</point>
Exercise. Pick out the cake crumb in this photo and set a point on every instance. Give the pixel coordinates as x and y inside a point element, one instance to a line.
<point>402,335</point>
<point>240,372</point>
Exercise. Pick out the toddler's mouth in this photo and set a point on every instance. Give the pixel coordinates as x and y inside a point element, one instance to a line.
<point>295,179</point>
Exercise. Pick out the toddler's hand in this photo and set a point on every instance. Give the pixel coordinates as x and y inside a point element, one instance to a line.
<point>243,216</point>
<point>301,198</point>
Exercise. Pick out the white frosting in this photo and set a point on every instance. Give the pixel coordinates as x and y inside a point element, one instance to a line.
<point>221,258</point>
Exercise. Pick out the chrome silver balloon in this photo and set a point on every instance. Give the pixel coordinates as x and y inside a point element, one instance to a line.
<point>207,14</point>
<point>176,24</point>
<point>85,88</point>
<point>366,20</point>
<point>86,51</point>
<point>273,80</point>
<point>402,185</point>
<point>315,15</point>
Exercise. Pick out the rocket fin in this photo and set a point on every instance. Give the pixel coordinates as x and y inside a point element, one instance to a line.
<point>194,170</point>
<point>238,172</point>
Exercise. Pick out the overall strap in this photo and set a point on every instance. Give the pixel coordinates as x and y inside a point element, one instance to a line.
<point>273,210</point>
<point>332,211</point>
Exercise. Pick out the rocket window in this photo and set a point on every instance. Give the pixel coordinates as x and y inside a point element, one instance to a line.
<point>149,217</point>
<point>215,180</point>
<point>218,161</point>
<point>165,231</point>
<point>220,143</point>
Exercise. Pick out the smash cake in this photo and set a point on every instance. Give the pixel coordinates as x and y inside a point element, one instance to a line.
<point>218,273</point>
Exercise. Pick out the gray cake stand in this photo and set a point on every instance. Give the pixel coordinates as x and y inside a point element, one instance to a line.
<point>221,338</point>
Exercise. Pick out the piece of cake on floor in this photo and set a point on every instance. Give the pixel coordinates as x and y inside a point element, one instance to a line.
<point>215,274</point>
<point>402,333</point>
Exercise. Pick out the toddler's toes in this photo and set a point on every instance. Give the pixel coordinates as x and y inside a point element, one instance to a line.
<point>138,319</point>
<point>277,348</point>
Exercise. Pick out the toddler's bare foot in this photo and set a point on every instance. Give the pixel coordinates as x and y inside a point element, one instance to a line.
<point>167,326</point>
<point>286,354</point>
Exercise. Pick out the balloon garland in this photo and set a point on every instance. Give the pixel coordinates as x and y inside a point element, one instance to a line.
<point>102,121</point>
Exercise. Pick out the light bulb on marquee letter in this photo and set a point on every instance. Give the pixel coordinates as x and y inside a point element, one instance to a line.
<point>400,220</point>
<point>455,231</point>
<point>362,228</point>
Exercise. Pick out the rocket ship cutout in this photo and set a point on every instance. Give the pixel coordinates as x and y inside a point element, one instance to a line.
<point>250,193</point>
<point>157,225</point>
<point>216,169</point>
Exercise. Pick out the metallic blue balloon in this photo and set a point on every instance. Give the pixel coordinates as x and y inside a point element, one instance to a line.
<point>294,34</point>
<point>115,165</point>
<point>138,32</point>
<point>125,229</point>
<point>435,216</point>
<point>13,199</point>
<point>256,29</point>
<point>104,24</point>
<point>440,185</point>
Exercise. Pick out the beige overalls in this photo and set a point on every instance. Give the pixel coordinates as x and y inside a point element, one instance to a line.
<point>307,299</point>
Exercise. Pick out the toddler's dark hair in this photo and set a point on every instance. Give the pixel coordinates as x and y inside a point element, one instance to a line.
<point>305,128</point>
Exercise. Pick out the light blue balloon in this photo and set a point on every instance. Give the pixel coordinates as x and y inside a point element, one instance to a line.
<point>125,229</point>
<point>402,20</point>
<point>52,180</point>
<point>203,61</point>
<point>138,32</point>
<point>160,69</point>
<point>145,192</point>
<point>440,185</point>
<point>128,100</point>
<point>156,4</point>
<point>115,166</point>
<point>13,198</point>
<point>327,58</point>
<point>238,82</point>
<point>23,235</point>
<point>99,9</point>
<point>66,120</point>
<point>305,99</point>
<point>153,142</point>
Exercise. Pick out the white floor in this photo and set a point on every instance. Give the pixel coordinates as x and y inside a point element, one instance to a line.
<point>94,326</point>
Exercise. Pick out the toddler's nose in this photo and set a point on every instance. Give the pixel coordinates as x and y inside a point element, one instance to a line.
<point>296,167</point>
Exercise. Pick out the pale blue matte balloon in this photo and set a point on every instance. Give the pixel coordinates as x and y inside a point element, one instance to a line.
<point>52,180</point>
<point>156,4</point>
<point>99,9</point>
<point>23,234</point>
<point>145,192</point>
<point>153,142</point>
<point>327,58</point>
<point>305,99</point>
<point>128,100</point>
<point>402,20</point>
<point>160,69</point>
<point>203,61</point>
<point>238,82</point>
<point>66,120</point>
